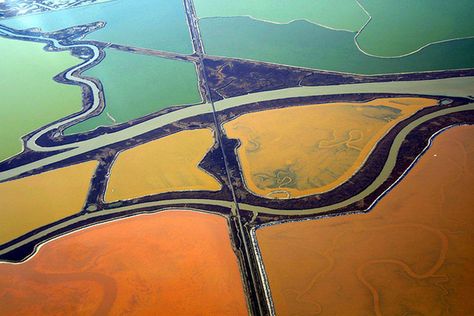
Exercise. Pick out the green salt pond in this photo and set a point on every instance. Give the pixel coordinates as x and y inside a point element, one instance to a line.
<point>339,14</point>
<point>30,97</point>
<point>399,27</point>
<point>136,85</point>
<point>304,44</point>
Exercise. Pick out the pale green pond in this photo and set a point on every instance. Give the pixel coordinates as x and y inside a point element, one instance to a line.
<point>136,85</point>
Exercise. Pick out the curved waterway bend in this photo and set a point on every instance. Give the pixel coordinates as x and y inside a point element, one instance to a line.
<point>31,142</point>
<point>381,178</point>
<point>387,169</point>
<point>460,87</point>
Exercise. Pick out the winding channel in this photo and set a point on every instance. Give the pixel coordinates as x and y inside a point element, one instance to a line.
<point>387,169</point>
<point>455,87</point>
<point>69,75</point>
<point>458,87</point>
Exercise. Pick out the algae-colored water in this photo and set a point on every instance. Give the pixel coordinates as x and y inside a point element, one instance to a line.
<point>30,96</point>
<point>304,44</point>
<point>136,85</point>
<point>396,28</point>
<point>402,26</point>
<point>157,24</point>
<point>339,14</point>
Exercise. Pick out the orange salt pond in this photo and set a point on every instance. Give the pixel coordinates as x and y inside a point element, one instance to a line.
<point>412,254</point>
<point>169,263</point>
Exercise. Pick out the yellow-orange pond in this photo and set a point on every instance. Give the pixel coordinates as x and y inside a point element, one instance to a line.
<point>169,263</point>
<point>412,254</point>
<point>304,150</point>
